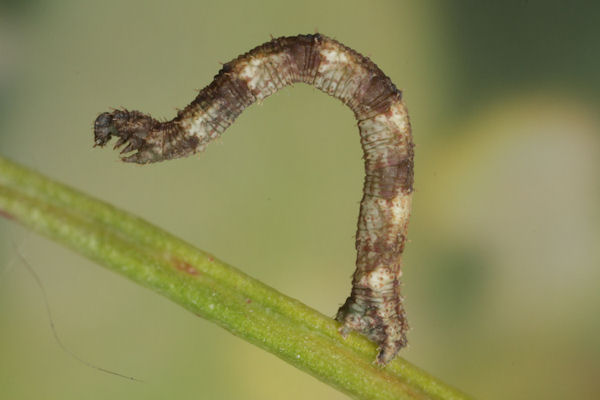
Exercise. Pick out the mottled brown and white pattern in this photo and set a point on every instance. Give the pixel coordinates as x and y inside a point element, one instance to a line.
<point>375,306</point>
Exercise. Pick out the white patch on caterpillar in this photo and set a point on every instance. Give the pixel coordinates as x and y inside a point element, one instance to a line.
<point>400,209</point>
<point>250,72</point>
<point>196,126</point>
<point>204,124</point>
<point>376,129</point>
<point>399,117</point>
<point>380,279</point>
<point>332,68</point>
<point>394,121</point>
<point>261,74</point>
<point>332,59</point>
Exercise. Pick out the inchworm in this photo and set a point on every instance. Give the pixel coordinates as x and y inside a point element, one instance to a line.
<point>375,306</point>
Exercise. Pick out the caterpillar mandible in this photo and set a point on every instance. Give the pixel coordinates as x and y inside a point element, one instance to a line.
<point>375,307</point>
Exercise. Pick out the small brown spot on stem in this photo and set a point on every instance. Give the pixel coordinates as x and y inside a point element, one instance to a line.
<point>186,267</point>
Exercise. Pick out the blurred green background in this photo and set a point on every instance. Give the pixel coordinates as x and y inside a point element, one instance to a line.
<point>501,277</point>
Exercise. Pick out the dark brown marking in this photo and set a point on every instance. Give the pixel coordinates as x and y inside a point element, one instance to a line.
<point>378,94</point>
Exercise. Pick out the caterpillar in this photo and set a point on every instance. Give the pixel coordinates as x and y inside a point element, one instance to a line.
<point>375,306</point>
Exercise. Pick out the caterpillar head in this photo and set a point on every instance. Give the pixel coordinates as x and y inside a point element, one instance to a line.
<point>133,128</point>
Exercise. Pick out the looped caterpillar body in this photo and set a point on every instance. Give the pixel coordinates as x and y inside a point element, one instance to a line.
<point>375,306</point>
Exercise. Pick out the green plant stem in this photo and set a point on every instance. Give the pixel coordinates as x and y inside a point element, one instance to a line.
<point>209,288</point>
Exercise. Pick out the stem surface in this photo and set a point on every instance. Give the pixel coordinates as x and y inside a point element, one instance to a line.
<point>209,288</point>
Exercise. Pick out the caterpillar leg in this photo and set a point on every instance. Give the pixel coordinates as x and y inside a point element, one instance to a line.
<point>376,311</point>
